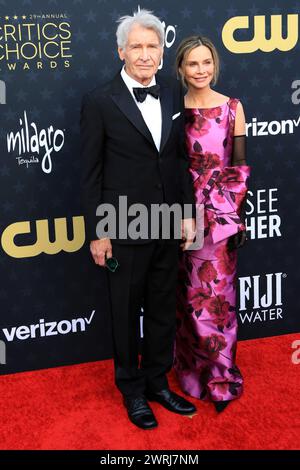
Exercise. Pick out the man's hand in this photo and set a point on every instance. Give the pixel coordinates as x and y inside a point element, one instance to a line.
<point>188,232</point>
<point>101,249</point>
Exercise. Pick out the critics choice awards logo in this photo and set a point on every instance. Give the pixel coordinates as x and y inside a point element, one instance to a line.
<point>35,42</point>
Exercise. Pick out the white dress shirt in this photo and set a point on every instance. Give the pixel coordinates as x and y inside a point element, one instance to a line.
<point>150,108</point>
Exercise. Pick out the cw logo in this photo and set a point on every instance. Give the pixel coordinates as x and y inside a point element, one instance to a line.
<point>2,92</point>
<point>259,40</point>
<point>42,243</point>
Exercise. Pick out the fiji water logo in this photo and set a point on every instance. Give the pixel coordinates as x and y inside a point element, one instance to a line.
<point>261,297</point>
<point>33,145</point>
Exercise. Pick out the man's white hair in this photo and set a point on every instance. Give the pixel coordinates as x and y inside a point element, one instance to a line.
<point>143,18</point>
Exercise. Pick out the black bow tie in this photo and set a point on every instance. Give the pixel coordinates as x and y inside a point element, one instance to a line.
<point>141,93</point>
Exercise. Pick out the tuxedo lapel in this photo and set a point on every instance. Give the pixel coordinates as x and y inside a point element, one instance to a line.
<point>125,102</point>
<point>166,102</point>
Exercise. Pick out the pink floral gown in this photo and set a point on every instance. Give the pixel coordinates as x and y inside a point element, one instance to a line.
<point>206,337</point>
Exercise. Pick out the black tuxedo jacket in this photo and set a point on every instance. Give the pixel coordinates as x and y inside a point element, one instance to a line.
<point>119,156</point>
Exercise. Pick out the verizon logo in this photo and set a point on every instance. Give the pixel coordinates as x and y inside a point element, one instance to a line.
<point>52,328</point>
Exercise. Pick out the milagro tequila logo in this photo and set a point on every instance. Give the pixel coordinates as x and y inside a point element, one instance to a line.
<point>35,146</point>
<point>261,298</point>
<point>170,38</point>
<point>170,34</point>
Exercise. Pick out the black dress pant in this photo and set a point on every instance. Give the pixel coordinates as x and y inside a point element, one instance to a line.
<point>146,276</point>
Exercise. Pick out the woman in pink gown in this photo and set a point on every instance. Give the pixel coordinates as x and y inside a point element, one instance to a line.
<point>206,336</point>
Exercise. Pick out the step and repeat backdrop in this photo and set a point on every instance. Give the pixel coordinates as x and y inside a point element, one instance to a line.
<point>53,299</point>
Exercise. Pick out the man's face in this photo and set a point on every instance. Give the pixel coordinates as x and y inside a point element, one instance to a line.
<point>142,54</point>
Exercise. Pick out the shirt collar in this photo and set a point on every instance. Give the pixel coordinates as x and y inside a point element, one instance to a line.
<point>131,83</point>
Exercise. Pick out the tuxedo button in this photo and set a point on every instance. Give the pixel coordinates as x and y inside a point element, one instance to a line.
<point>158,186</point>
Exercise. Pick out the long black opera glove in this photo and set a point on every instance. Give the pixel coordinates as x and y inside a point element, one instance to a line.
<point>239,158</point>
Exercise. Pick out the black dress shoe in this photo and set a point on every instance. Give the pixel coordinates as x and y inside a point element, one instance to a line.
<point>172,402</point>
<point>221,405</point>
<point>140,413</point>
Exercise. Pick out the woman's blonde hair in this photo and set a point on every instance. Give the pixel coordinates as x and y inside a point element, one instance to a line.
<point>190,43</point>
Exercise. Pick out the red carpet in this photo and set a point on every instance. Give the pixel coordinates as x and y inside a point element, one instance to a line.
<point>67,408</point>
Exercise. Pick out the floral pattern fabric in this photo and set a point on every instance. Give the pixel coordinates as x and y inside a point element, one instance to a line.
<point>206,336</point>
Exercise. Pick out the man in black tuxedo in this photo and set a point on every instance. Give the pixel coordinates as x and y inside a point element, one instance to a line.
<point>133,145</point>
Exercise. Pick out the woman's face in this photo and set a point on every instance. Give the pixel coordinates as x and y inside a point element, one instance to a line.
<point>198,67</point>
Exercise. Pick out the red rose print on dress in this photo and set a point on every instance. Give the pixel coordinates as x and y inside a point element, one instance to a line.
<point>197,296</point>
<point>212,345</point>
<point>226,260</point>
<point>206,299</point>
<point>212,113</point>
<point>207,272</point>
<point>200,126</point>
<point>218,307</point>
